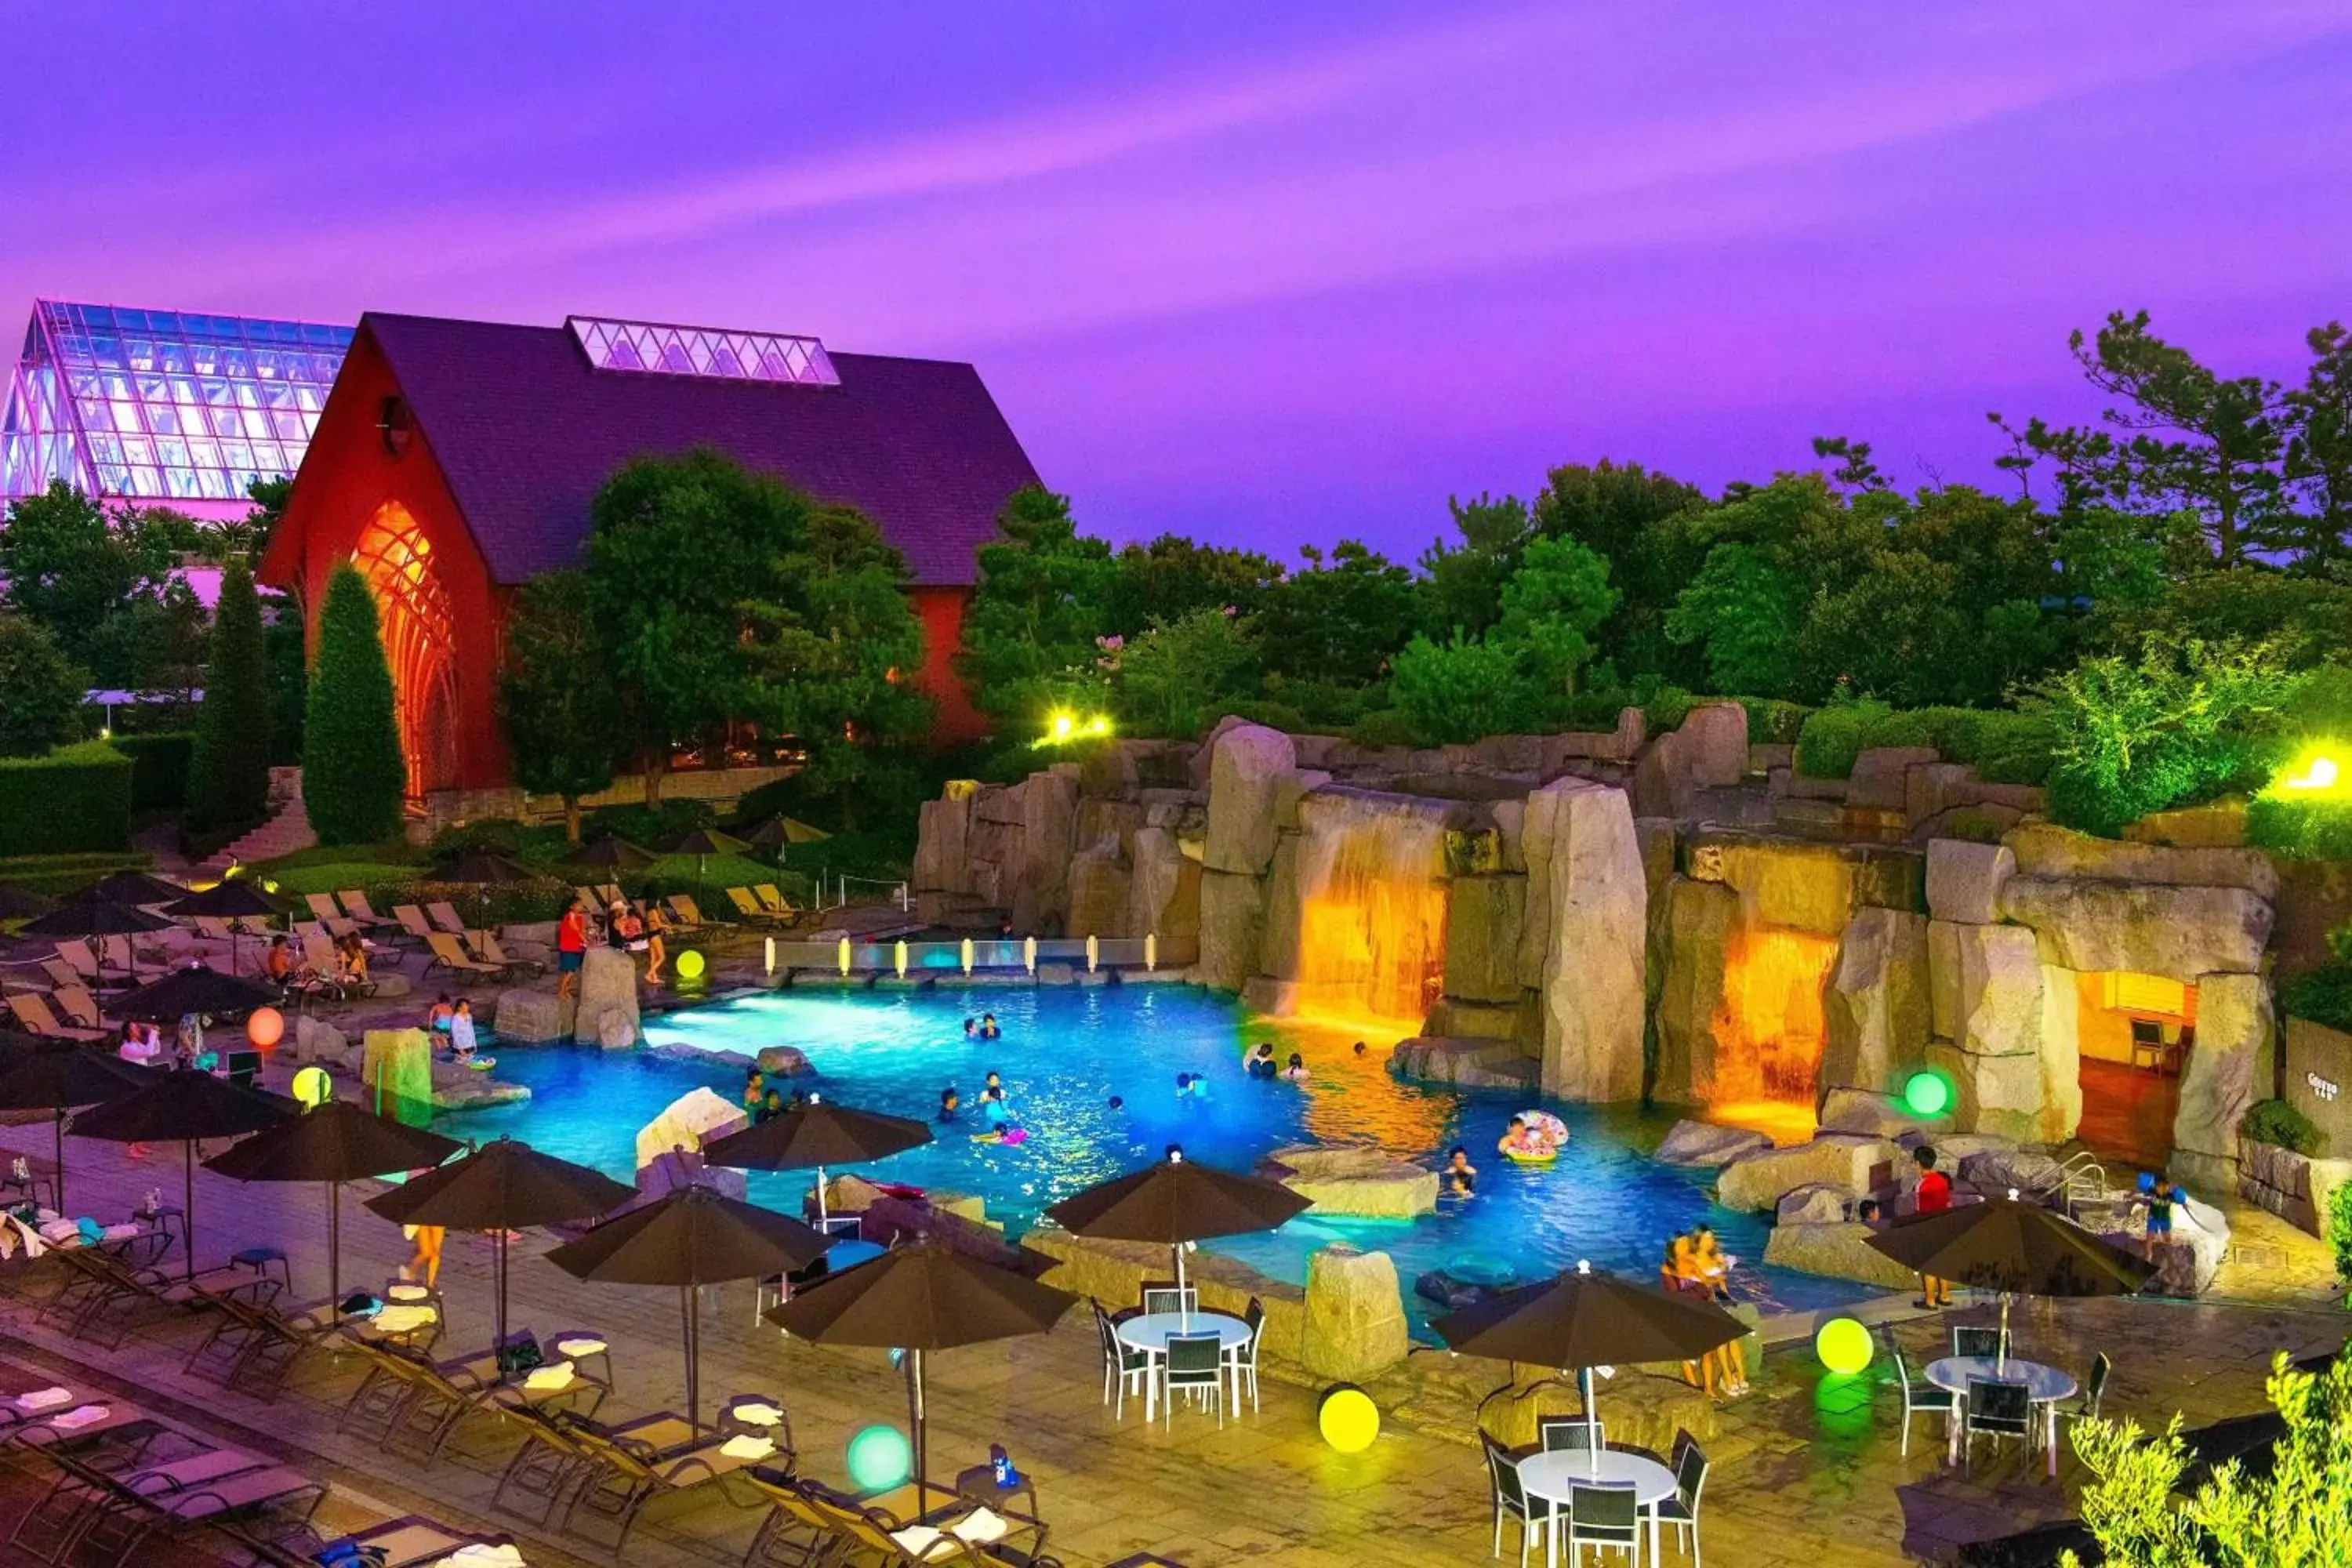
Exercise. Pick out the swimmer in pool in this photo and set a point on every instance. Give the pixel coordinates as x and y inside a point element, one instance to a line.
<point>993,1085</point>
<point>948,1103</point>
<point>970,1028</point>
<point>1296,1071</point>
<point>1261,1061</point>
<point>1460,1174</point>
<point>1360,1047</point>
<point>1191,1085</point>
<point>1515,1137</point>
<point>1117,1103</point>
<point>988,1029</point>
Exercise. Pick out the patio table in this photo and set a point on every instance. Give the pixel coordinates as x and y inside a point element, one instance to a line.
<point>1548,1476</point>
<point>1150,1332</point>
<point>2044,1387</point>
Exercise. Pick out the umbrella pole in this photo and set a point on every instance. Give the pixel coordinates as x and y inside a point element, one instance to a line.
<point>334,1243</point>
<point>1592,1420</point>
<point>1184,1302</point>
<point>922,1437</point>
<point>689,1300</point>
<point>820,1225</point>
<point>500,1317</point>
<point>59,1186</point>
<point>2000,1346</point>
<point>188,1204</point>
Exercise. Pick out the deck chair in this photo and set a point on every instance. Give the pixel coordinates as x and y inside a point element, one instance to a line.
<point>414,1542</point>
<point>444,918</point>
<point>356,906</point>
<point>449,955</point>
<point>78,954</point>
<point>34,1014</point>
<point>319,952</point>
<point>747,906</point>
<point>608,894</point>
<point>487,948</point>
<point>656,1457</point>
<point>125,961</point>
<point>969,1533</point>
<point>683,915</point>
<point>213,928</point>
<point>92,1514</point>
<point>323,906</point>
<point>775,903</point>
<point>544,1472</point>
<point>413,921</point>
<point>79,1006</point>
<point>61,973</point>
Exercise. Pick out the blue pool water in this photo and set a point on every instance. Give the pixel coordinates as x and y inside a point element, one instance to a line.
<point>1066,1051</point>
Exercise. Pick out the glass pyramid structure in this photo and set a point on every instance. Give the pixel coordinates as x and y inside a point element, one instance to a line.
<point>163,408</point>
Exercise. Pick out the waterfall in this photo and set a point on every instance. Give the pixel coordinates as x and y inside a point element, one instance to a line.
<point>1371,905</point>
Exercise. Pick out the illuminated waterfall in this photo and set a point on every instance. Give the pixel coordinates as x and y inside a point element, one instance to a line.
<point>1372,907</point>
<point>1769,1030</point>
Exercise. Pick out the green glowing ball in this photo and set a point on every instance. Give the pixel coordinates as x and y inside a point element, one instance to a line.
<point>1348,1418</point>
<point>1844,1346</point>
<point>689,965</point>
<point>879,1458</point>
<point>1928,1094</point>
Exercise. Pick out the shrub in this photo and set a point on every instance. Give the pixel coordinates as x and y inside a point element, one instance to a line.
<point>2003,747</point>
<point>159,768</point>
<point>1832,737</point>
<point>75,800</point>
<point>2300,829</point>
<point>1594,710</point>
<point>229,786</point>
<point>646,826</point>
<point>40,690</point>
<point>2276,1122</point>
<point>1384,727</point>
<point>353,779</point>
<point>1774,723</point>
<point>2324,995</point>
<point>1663,708</point>
<point>2340,1230</point>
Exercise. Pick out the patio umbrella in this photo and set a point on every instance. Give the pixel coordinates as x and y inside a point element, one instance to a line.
<point>198,990</point>
<point>2015,1247</point>
<point>612,853</point>
<point>182,1108</point>
<point>137,889</point>
<point>1581,1319</point>
<point>91,913</point>
<point>59,1076</point>
<point>1175,1202</point>
<point>704,841</point>
<point>229,899</point>
<point>776,832</point>
<point>502,1186</point>
<point>694,1237</point>
<point>21,903</point>
<point>816,1134</point>
<point>483,870</point>
<point>919,1297</point>
<point>334,1143</point>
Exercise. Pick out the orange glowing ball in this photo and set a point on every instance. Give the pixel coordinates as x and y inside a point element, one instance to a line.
<point>265,1028</point>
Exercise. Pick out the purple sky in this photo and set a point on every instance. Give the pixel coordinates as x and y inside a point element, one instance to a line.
<point>1258,273</point>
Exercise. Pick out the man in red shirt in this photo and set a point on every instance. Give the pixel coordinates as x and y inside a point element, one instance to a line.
<point>1934,1197</point>
<point>571,949</point>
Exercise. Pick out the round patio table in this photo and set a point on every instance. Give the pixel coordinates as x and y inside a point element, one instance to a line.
<point>2044,1386</point>
<point>1150,1332</point>
<point>1550,1475</point>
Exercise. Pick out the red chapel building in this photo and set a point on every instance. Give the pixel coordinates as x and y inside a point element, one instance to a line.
<point>454,461</point>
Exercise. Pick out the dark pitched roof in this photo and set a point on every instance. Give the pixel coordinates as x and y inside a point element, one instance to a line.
<point>525,432</point>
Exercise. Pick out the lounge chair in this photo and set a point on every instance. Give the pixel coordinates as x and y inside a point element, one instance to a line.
<point>748,907</point>
<point>213,928</point>
<point>78,955</point>
<point>79,1006</point>
<point>608,894</point>
<point>656,1457</point>
<point>323,906</point>
<point>413,921</point>
<point>487,948</point>
<point>775,903</point>
<point>123,959</point>
<point>34,1014</point>
<point>113,1297</point>
<point>61,973</point>
<point>94,1514</point>
<point>409,1400</point>
<point>683,915</point>
<point>587,896</point>
<point>447,954</point>
<point>444,918</point>
<point>414,1542</point>
<point>355,906</point>
<point>960,1531</point>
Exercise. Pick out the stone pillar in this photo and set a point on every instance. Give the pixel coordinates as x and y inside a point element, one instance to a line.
<point>1597,910</point>
<point>1697,923</point>
<point>2231,1064</point>
<point>2012,1046</point>
<point>607,1013</point>
<point>1355,1326</point>
<point>1875,1005</point>
<point>1233,922</point>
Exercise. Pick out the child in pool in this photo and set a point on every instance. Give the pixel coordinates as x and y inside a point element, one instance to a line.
<point>988,1029</point>
<point>1460,1174</point>
<point>1191,1085</point>
<point>970,1028</point>
<point>770,1107</point>
<point>948,1103</point>
<point>1296,1071</point>
<point>1260,1062</point>
<point>755,1089</point>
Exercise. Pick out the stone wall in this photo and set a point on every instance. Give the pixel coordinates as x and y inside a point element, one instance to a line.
<point>2318,1081</point>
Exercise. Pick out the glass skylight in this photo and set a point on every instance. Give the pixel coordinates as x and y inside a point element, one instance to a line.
<point>648,347</point>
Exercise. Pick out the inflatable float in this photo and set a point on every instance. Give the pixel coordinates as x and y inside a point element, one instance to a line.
<point>1544,1125</point>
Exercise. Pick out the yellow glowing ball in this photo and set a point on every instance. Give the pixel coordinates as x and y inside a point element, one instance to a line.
<point>265,1028</point>
<point>1063,725</point>
<point>312,1087</point>
<point>1348,1418</point>
<point>1844,1346</point>
<point>689,965</point>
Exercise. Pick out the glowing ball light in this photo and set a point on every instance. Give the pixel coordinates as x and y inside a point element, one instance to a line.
<point>1348,1418</point>
<point>689,965</point>
<point>1844,1346</point>
<point>879,1458</point>
<point>313,1087</point>
<point>1928,1094</point>
<point>265,1028</point>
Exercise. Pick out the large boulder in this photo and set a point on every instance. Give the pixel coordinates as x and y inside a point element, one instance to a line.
<point>687,1122</point>
<point>1965,880</point>
<point>1102,891</point>
<point>2226,1071</point>
<point>531,1018</point>
<point>1483,915</point>
<point>316,1040</point>
<point>1880,777</point>
<point>1233,926</point>
<point>1789,883</point>
<point>1354,1327</point>
<point>2180,933</point>
<point>942,849</point>
<point>1596,906</point>
<point>1815,1205</point>
<point>2044,849</point>
<point>1163,887</point>
<point>1714,744</point>
<point>1876,1004</point>
<point>1465,1063</point>
<point>1038,897</point>
<point>607,1013</point>
<point>2013,1053</point>
<point>784,1061</point>
<point>1997,1171</point>
<point>1696,929</point>
<point>1840,1251</point>
<point>1363,1182</point>
<point>1868,1111</point>
<point>1844,1161</point>
<point>1703,1145</point>
<point>1247,766</point>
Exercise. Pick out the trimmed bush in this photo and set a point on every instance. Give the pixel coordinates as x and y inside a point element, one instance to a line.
<point>2301,829</point>
<point>159,768</point>
<point>353,779</point>
<point>1384,727</point>
<point>2280,1125</point>
<point>76,800</point>
<point>40,690</point>
<point>1772,723</point>
<point>1832,738</point>
<point>229,786</point>
<point>2003,747</point>
<point>57,875</point>
<point>2324,995</point>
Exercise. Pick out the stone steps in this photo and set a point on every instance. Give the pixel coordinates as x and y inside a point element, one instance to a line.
<point>283,834</point>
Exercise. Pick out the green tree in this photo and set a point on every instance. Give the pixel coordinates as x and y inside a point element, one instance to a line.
<point>563,722</point>
<point>2298,1515</point>
<point>1171,577</point>
<point>40,690</point>
<point>228,773</point>
<point>81,571</point>
<point>353,779</point>
<point>1341,620</point>
<point>1044,595</point>
<point>1647,527</point>
<point>1745,613</point>
<point>1459,689</point>
<point>1180,676</point>
<point>1466,580</point>
<point>2319,451</point>
<point>1549,611</point>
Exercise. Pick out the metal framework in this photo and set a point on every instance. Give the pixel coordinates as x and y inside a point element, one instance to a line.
<point>162,407</point>
<point>650,348</point>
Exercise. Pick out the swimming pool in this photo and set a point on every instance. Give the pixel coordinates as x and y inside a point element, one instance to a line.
<point>1066,1051</point>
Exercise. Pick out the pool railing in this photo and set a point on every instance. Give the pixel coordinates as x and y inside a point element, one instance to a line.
<point>971,954</point>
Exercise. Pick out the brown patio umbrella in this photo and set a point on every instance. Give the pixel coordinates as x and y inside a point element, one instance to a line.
<point>692,1237</point>
<point>137,889</point>
<point>334,1143</point>
<point>702,841</point>
<point>502,1186</point>
<point>91,913</point>
<point>816,1133</point>
<point>21,903</point>
<point>183,1108</point>
<point>2016,1247</point>
<point>921,1298</point>
<point>230,900</point>
<point>199,990</point>
<point>612,853</point>
<point>59,1076</point>
<point>1583,1320</point>
<point>1174,1202</point>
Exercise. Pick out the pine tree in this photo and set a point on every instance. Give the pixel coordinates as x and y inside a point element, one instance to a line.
<point>353,779</point>
<point>228,775</point>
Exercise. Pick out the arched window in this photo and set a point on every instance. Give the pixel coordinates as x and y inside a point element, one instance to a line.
<point>419,632</point>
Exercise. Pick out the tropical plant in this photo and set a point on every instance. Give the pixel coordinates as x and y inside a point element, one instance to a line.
<point>353,777</point>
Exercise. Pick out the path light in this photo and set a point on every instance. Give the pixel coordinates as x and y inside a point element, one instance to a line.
<point>1094,953</point>
<point>967,957</point>
<point>1029,953</point>
<point>844,956</point>
<point>1844,1346</point>
<point>770,957</point>
<point>2322,770</point>
<point>689,965</point>
<point>1151,949</point>
<point>1348,1418</point>
<point>879,1458</point>
<point>1927,1095</point>
<point>899,957</point>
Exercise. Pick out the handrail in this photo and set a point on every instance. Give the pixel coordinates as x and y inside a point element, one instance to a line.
<point>845,956</point>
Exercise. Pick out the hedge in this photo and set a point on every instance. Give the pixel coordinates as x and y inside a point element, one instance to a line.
<point>55,875</point>
<point>159,768</point>
<point>2301,829</point>
<point>76,800</point>
<point>2004,747</point>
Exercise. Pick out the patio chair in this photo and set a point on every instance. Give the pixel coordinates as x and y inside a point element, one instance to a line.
<point>540,1475</point>
<point>748,908</point>
<point>33,1013</point>
<point>413,921</point>
<point>963,1533</point>
<point>487,950</point>
<point>77,955</point>
<point>1509,1498</point>
<point>1986,1342</point>
<point>79,1006</point>
<point>2085,1404</point>
<point>138,1295</point>
<point>61,973</point>
<point>1997,1410</point>
<point>1681,1510</point>
<point>1243,1357</point>
<point>446,954</point>
<point>608,894</point>
<point>414,1542</point>
<point>213,928</point>
<point>656,1457</point>
<point>1919,1396</point>
<point>1196,1365</point>
<point>133,1510</point>
<point>1605,1518</point>
<point>682,905</point>
<point>445,916</point>
<point>1162,1296</point>
<point>582,893</point>
<point>322,905</point>
<point>355,907</point>
<point>444,1394</point>
<point>1570,1434</point>
<point>775,903</point>
<point>1122,1363</point>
